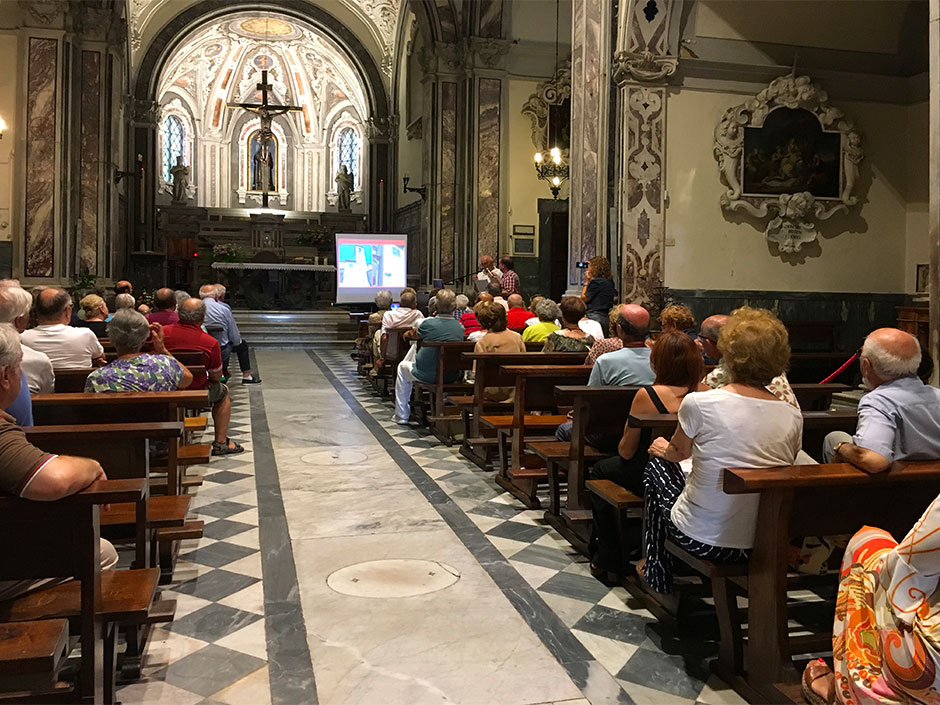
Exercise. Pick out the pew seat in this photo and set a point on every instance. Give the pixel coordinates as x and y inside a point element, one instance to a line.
<point>32,648</point>
<point>162,512</point>
<point>531,421</point>
<point>620,498</point>
<point>196,423</point>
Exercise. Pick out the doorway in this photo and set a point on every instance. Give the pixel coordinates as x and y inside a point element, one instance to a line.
<point>553,247</point>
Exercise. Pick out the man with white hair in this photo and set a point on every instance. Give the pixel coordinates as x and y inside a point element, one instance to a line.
<point>15,304</point>
<point>122,301</point>
<point>899,419</point>
<point>220,322</point>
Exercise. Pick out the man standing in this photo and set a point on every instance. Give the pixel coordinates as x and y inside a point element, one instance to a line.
<point>517,314</point>
<point>899,419</point>
<point>488,272</point>
<point>68,348</point>
<point>164,308</point>
<point>442,327</point>
<point>510,280</point>
<point>220,320</point>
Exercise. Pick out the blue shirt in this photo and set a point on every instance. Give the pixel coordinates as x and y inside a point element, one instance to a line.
<point>22,407</point>
<point>220,314</point>
<point>437,328</point>
<point>627,367</point>
<point>900,420</point>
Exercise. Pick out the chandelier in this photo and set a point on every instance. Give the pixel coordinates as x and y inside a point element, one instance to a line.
<point>548,164</point>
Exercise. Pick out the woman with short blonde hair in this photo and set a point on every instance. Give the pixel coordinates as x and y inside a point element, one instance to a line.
<point>96,313</point>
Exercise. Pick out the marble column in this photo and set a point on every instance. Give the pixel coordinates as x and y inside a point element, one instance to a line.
<point>488,166</point>
<point>90,161</point>
<point>590,78</point>
<point>934,185</point>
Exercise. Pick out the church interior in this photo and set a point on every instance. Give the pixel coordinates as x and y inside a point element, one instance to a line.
<point>371,524</point>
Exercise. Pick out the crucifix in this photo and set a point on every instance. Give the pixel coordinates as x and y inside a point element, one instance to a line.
<point>266,112</point>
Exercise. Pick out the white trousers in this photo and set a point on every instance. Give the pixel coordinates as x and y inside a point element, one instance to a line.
<point>403,386</point>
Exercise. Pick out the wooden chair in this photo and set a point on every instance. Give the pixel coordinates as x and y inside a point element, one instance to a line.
<point>394,348</point>
<point>449,360</point>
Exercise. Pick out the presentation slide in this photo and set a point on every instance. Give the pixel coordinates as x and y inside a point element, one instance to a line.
<point>366,264</point>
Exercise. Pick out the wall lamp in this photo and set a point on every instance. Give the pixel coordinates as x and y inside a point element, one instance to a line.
<point>420,190</point>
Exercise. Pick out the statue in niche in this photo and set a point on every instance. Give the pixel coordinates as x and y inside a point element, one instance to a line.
<point>180,174</point>
<point>261,160</point>
<point>344,187</point>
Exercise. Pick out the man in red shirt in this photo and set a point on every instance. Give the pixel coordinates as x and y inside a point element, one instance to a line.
<point>189,335</point>
<point>164,308</point>
<point>517,315</point>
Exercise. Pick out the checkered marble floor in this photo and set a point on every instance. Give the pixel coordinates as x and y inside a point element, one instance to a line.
<point>215,650</point>
<point>651,664</point>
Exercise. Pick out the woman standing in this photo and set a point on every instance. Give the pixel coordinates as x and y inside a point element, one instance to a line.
<point>598,291</point>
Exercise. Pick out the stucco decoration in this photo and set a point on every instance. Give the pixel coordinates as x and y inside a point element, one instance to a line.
<point>793,215</point>
<point>643,42</point>
<point>552,92</point>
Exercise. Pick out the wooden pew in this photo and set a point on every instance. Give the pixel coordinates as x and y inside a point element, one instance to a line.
<point>74,380</point>
<point>449,359</point>
<point>811,500</point>
<point>487,373</point>
<point>60,540</point>
<point>31,656</point>
<point>813,367</point>
<point>395,347</point>
<point>521,472</point>
<point>187,358</point>
<point>817,397</point>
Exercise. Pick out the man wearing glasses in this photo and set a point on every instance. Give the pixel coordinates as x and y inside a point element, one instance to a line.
<point>68,348</point>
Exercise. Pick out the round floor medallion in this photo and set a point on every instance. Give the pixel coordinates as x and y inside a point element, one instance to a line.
<point>397,577</point>
<point>334,456</point>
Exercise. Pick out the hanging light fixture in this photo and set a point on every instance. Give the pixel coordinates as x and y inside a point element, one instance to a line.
<point>549,164</point>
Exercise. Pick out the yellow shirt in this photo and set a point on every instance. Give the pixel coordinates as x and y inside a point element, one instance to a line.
<point>538,332</point>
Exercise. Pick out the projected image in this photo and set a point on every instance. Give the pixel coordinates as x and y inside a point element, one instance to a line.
<point>363,264</point>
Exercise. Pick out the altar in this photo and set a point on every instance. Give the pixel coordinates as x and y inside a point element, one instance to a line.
<point>275,285</point>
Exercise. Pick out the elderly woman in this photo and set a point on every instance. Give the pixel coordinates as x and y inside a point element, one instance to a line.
<point>679,317</point>
<point>383,304</point>
<point>497,338</point>
<point>463,306</point>
<point>549,313</point>
<point>598,292</point>
<point>606,345</point>
<point>122,301</point>
<point>740,425</point>
<point>571,337</point>
<point>96,313</point>
<point>133,370</point>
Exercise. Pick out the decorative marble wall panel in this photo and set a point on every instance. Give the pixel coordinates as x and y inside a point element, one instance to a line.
<point>488,167</point>
<point>90,159</point>
<point>589,110</point>
<point>41,112</point>
<point>448,178</point>
<point>491,19</point>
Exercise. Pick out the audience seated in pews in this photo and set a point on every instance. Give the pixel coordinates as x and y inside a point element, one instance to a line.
<point>517,314</point>
<point>181,296</point>
<point>143,310</point>
<point>885,635</point>
<point>533,316</point>
<point>441,327</point>
<point>571,336</point>
<point>606,345</point>
<point>718,377</point>
<point>124,301</point>
<point>123,287</point>
<point>96,314</point>
<point>740,425</point>
<point>627,367</point>
<point>598,293</point>
<point>15,305</point>
<point>133,370</point>
<point>678,366</point>
<point>68,348</point>
<point>678,317</point>
<point>549,313</point>
<point>899,419</point>
<point>220,319</point>
<point>188,335</point>
<point>496,291</point>
<point>482,322</point>
<point>28,472</point>
<point>462,306</point>
<point>469,319</point>
<point>164,308</point>
<point>383,304</point>
<point>509,282</point>
<point>498,339</point>
<point>406,315</point>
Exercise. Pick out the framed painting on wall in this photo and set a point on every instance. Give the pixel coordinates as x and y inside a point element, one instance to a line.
<point>922,278</point>
<point>523,241</point>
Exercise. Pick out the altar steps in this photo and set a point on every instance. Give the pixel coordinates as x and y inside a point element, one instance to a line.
<point>296,329</point>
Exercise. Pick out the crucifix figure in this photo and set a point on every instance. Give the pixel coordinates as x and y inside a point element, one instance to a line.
<point>266,112</point>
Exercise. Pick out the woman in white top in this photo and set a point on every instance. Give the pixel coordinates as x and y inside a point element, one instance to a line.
<point>739,425</point>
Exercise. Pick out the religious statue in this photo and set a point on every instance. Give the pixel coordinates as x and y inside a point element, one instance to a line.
<point>180,174</point>
<point>344,187</point>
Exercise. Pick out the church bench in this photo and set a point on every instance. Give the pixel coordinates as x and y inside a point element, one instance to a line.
<point>31,656</point>
<point>817,397</point>
<point>811,500</point>
<point>74,380</point>
<point>60,540</point>
<point>520,472</point>
<point>187,358</point>
<point>476,447</point>
<point>449,359</point>
<point>816,366</point>
<point>394,347</point>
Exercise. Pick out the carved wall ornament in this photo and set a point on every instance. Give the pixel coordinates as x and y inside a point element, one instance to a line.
<point>788,154</point>
<point>644,66</point>
<point>555,91</point>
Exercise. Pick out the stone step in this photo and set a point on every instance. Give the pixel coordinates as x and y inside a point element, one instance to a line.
<point>296,329</point>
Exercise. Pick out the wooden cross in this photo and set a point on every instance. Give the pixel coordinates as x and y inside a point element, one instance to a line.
<point>266,112</point>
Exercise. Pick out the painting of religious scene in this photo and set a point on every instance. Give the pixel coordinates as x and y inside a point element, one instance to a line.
<point>791,153</point>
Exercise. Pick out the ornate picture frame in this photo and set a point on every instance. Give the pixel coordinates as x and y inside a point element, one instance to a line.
<point>789,155</point>
<point>542,108</point>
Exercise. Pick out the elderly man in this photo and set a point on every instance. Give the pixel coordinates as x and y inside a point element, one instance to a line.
<point>899,419</point>
<point>488,270</point>
<point>15,304</point>
<point>28,472</point>
<point>406,315</point>
<point>441,327</point>
<point>383,304</point>
<point>122,301</point>
<point>496,291</point>
<point>164,308</point>
<point>517,314</point>
<point>221,322</point>
<point>68,348</point>
<point>188,335</point>
<point>510,280</point>
<point>708,337</point>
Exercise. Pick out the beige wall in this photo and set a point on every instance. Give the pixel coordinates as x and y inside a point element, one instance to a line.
<point>918,238</point>
<point>9,105</point>
<point>410,152</point>
<point>866,251</point>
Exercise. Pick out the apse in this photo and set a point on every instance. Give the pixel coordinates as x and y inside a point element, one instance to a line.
<point>220,64</point>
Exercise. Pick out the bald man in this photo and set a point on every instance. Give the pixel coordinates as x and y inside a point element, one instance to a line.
<point>517,315</point>
<point>67,348</point>
<point>164,308</point>
<point>899,419</point>
<point>708,337</point>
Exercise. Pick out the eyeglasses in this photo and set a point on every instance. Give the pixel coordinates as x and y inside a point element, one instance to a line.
<point>703,338</point>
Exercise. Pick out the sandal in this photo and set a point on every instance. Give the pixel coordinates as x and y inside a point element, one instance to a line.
<point>225,448</point>
<point>813,672</point>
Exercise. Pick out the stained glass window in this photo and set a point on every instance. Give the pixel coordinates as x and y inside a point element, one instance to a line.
<point>172,139</point>
<point>348,147</point>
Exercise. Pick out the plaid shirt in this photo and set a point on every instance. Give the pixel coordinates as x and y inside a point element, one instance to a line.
<point>510,282</point>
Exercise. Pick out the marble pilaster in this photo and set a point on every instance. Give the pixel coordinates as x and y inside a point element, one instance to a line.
<point>934,183</point>
<point>90,158</point>
<point>448,181</point>
<point>488,163</point>
<point>590,52</point>
<point>40,212</point>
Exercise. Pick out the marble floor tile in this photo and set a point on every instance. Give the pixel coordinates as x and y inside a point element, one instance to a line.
<point>253,689</point>
<point>534,575</point>
<point>664,672</point>
<point>543,556</point>
<point>250,599</point>
<point>507,547</point>
<point>611,654</point>
<point>185,604</point>
<point>516,531</point>
<point>651,696</point>
<point>224,528</point>
<point>568,609</point>
<point>223,509</point>
<point>218,554</point>
<point>575,586</point>
<point>157,692</point>
<point>215,585</point>
<point>250,640</point>
<point>248,539</point>
<point>614,624</point>
<point>164,647</point>
<point>212,622</point>
<point>211,669</point>
<point>717,692</point>
<point>250,565</point>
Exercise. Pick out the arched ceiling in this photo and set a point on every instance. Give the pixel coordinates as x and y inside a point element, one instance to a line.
<point>221,63</point>
<point>374,22</point>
